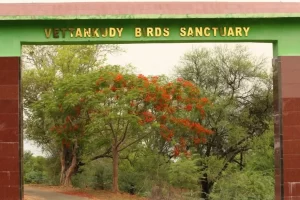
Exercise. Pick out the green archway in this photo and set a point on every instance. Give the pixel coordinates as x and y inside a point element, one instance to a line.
<point>282,32</point>
<point>92,23</point>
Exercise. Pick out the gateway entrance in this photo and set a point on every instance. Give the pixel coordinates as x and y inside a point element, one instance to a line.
<point>118,23</point>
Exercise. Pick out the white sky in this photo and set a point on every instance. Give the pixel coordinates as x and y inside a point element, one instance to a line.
<point>47,1</point>
<point>154,59</point>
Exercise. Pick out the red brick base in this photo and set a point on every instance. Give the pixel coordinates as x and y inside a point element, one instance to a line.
<point>287,127</point>
<point>10,148</point>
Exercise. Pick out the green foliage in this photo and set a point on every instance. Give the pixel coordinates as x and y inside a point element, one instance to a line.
<point>244,186</point>
<point>53,169</point>
<point>214,166</point>
<point>34,169</point>
<point>139,172</point>
<point>96,175</point>
<point>241,92</point>
<point>184,174</point>
<point>261,156</point>
<point>36,177</point>
<point>43,66</point>
<point>256,180</point>
<point>143,169</point>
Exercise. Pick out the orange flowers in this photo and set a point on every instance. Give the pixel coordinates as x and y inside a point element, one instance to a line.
<point>184,122</point>
<point>176,151</point>
<point>170,136</point>
<point>119,78</point>
<point>178,98</point>
<point>197,141</point>
<point>132,104</point>
<point>163,119</point>
<point>182,142</point>
<point>148,98</point>
<point>154,79</point>
<point>141,76</point>
<point>166,96</point>
<point>113,88</point>
<point>66,143</point>
<point>159,107</point>
<point>148,117</point>
<point>188,107</point>
<point>68,118</point>
<point>180,79</point>
<point>204,100</point>
<point>166,133</point>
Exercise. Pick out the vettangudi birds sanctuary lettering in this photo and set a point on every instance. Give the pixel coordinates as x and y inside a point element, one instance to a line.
<point>116,32</point>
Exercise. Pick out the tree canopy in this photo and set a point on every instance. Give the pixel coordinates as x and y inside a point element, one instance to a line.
<point>240,88</point>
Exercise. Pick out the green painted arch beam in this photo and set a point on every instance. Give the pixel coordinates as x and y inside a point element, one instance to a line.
<point>276,23</point>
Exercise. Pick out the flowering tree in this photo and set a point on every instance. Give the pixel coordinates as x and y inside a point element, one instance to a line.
<point>64,121</point>
<point>121,109</point>
<point>126,108</point>
<point>42,68</point>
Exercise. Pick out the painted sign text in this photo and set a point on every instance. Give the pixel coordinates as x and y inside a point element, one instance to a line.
<point>140,32</point>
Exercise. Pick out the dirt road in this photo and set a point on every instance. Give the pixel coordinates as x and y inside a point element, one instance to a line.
<point>42,194</point>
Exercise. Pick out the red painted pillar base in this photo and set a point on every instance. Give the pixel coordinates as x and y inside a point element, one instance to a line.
<point>287,127</point>
<point>10,138</point>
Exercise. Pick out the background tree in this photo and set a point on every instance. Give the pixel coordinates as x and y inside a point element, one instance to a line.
<point>241,91</point>
<point>35,170</point>
<point>256,180</point>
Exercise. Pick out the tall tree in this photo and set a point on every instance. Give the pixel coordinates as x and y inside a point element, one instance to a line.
<point>240,89</point>
<point>43,67</point>
<point>132,107</point>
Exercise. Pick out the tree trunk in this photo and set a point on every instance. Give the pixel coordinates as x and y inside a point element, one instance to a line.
<point>205,187</point>
<point>63,164</point>
<point>115,169</point>
<point>67,172</point>
<point>68,175</point>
